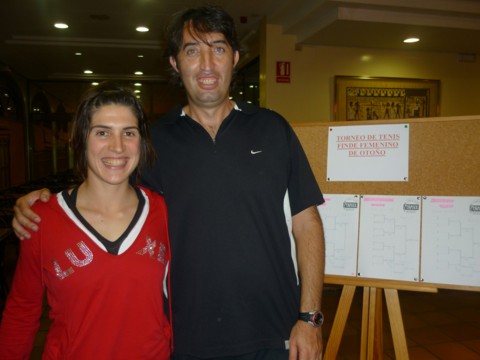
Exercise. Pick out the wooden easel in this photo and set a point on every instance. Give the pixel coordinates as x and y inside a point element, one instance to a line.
<point>372,331</point>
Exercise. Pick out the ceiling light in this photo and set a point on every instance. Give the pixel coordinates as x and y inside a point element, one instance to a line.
<point>87,71</point>
<point>142,29</point>
<point>78,54</point>
<point>137,91</point>
<point>138,73</point>
<point>137,84</point>
<point>140,55</point>
<point>95,83</point>
<point>61,26</point>
<point>411,40</point>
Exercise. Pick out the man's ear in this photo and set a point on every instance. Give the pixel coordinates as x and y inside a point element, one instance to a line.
<point>173,62</point>
<point>236,57</point>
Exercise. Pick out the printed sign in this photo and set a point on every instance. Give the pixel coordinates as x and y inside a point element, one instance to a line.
<point>368,153</point>
<point>283,71</point>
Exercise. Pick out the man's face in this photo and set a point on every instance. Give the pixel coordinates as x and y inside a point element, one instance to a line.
<point>205,67</point>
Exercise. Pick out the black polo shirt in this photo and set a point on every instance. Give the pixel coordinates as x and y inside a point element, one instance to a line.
<point>233,278</point>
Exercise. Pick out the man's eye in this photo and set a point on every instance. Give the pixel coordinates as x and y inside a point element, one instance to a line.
<point>130,133</point>
<point>219,50</point>
<point>102,133</point>
<point>191,51</point>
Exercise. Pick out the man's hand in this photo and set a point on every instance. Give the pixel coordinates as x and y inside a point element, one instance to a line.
<point>25,220</point>
<point>306,342</point>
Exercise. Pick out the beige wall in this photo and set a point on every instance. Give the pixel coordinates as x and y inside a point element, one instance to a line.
<point>309,97</point>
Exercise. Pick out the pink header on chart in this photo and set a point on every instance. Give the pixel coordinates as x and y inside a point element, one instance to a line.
<point>379,199</point>
<point>442,200</point>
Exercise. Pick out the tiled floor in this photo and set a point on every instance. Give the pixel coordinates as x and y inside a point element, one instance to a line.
<point>443,325</point>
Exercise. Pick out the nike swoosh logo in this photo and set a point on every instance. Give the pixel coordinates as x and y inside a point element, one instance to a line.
<point>255,152</point>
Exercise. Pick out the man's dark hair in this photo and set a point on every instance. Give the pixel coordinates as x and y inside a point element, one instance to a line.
<point>200,21</point>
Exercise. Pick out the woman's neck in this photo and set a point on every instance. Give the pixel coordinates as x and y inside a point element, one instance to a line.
<point>108,209</point>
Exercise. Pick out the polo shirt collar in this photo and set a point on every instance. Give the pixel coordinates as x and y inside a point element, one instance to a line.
<point>235,107</point>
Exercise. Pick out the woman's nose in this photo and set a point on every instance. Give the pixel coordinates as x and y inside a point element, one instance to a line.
<point>116,143</point>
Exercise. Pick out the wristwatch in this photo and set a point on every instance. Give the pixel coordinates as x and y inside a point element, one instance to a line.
<point>314,318</point>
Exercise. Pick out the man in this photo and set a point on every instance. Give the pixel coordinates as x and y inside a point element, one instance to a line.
<point>232,174</point>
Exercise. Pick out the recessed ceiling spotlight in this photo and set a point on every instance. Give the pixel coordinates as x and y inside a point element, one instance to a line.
<point>366,58</point>
<point>95,83</point>
<point>88,72</point>
<point>138,73</point>
<point>411,40</point>
<point>78,54</point>
<point>142,29</point>
<point>137,84</point>
<point>61,26</point>
<point>140,56</point>
<point>137,91</point>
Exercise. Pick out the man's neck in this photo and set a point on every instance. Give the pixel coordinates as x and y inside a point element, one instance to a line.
<point>211,118</point>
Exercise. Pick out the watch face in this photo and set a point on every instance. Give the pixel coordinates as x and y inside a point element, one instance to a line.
<point>317,318</point>
<point>314,318</point>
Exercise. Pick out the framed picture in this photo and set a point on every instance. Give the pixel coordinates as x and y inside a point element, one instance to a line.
<point>378,98</point>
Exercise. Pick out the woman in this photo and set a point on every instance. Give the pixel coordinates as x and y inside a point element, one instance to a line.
<point>102,251</point>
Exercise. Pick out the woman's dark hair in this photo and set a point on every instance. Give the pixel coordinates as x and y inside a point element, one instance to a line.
<point>199,21</point>
<point>108,93</point>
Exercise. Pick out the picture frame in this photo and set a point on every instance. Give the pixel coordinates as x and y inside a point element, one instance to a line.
<point>384,98</point>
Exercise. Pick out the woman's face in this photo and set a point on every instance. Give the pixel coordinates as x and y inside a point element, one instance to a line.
<point>113,144</point>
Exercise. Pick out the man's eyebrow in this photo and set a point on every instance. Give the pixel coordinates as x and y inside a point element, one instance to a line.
<point>215,42</point>
<point>221,41</point>
<point>191,43</point>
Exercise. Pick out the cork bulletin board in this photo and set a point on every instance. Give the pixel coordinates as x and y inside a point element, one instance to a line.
<point>444,157</point>
<point>444,161</point>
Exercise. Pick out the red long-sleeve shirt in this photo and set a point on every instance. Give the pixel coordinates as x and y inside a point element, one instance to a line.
<point>103,306</point>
